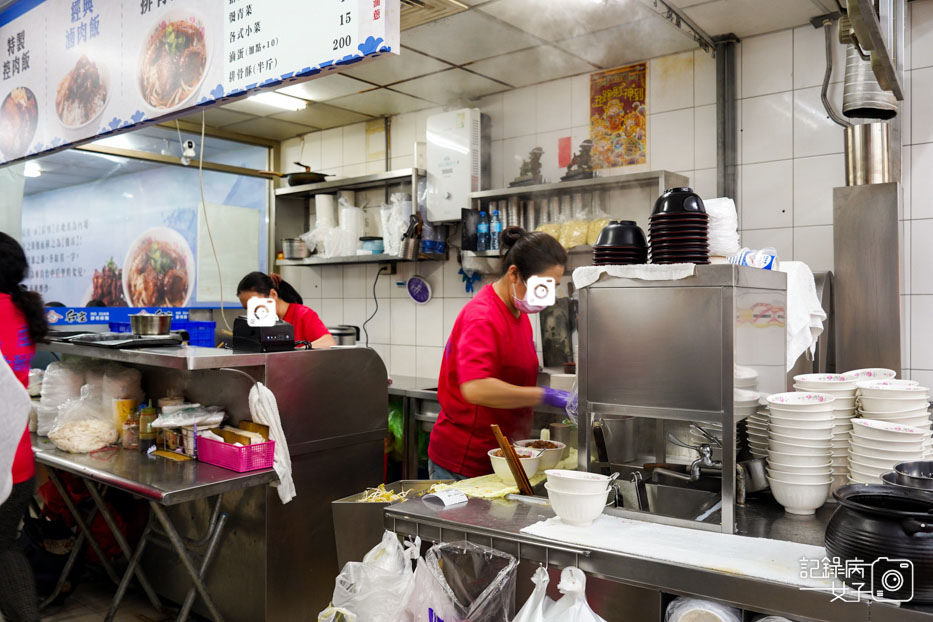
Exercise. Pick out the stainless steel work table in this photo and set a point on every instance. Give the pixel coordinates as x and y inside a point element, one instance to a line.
<point>162,482</point>
<point>498,524</point>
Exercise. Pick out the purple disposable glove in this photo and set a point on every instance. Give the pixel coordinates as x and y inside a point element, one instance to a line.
<point>555,398</point>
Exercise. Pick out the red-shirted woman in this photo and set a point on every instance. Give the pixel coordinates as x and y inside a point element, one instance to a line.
<point>288,306</point>
<point>490,366</point>
<point>22,324</point>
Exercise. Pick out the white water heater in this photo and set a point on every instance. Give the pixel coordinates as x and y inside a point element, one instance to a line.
<point>453,162</point>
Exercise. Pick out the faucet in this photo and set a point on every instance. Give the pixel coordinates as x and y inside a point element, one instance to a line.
<point>705,461</point>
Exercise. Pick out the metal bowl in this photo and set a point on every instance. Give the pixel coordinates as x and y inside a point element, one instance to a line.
<point>915,474</point>
<point>294,248</point>
<point>151,323</point>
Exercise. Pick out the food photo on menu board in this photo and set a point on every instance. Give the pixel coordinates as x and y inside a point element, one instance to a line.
<point>22,85</point>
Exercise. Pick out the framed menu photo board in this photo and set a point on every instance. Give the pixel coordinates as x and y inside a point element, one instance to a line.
<point>76,70</point>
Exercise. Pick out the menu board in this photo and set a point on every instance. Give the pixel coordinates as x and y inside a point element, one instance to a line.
<point>76,70</point>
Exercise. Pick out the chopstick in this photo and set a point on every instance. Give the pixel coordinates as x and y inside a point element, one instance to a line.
<point>515,465</point>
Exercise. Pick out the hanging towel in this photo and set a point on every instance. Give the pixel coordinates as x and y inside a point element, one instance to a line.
<point>805,314</point>
<point>265,410</point>
<point>13,419</point>
<point>587,275</point>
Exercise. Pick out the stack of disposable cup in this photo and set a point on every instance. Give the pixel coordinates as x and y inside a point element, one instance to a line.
<point>843,389</point>
<point>723,227</point>
<point>325,211</point>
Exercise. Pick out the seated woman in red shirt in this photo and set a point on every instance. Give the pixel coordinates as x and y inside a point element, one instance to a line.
<point>288,306</point>
<point>490,367</point>
<point>22,324</point>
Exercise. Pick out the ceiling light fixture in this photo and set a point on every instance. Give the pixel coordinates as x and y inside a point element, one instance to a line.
<point>278,100</point>
<point>32,169</point>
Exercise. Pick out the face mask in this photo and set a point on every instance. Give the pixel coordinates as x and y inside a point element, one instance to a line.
<point>525,306</point>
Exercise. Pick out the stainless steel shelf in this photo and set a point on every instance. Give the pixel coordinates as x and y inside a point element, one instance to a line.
<point>663,179</point>
<point>376,180</point>
<point>172,357</point>
<point>320,261</point>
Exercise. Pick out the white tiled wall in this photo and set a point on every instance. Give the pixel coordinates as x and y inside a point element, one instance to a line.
<point>790,159</point>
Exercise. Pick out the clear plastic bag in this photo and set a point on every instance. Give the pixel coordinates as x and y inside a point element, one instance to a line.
<point>376,589</point>
<point>461,581</point>
<point>336,614</point>
<point>122,383</point>
<point>82,426</point>
<point>188,415</point>
<point>572,403</point>
<point>600,219</point>
<point>573,606</point>
<point>684,609</point>
<point>60,383</point>
<point>538,604</point>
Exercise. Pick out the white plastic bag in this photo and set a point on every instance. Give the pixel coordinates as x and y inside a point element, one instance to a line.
<point>461,581</point>
<point>82,426</point>
<point>60,383</point>
<point>538,604</point>
<point>190,414</point>
<point>336,614</point>
<point>573,606</point>
<point>684,609</point>
<point>122,383</point>
<point>376,589</point>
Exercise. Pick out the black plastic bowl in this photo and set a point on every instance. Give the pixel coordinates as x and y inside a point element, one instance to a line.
<point>622,233</point>
<point>679,201</point>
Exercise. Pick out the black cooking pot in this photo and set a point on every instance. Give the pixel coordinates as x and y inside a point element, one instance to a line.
<point>880,525</point>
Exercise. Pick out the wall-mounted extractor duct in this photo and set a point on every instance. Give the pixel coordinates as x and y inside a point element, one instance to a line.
<point>863,97</point>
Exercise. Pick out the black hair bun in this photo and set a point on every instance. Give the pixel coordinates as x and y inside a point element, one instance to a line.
<point>509,237</point>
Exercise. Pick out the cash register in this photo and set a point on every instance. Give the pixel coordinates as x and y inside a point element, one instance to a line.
<point>277,337</point>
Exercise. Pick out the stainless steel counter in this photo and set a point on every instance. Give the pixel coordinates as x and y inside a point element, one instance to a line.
<point>410,386</point>
<point>155,478</point>
<point>172,357</point>
<point>499,523</point>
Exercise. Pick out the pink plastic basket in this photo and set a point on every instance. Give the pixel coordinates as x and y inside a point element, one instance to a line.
<point>239,459</point>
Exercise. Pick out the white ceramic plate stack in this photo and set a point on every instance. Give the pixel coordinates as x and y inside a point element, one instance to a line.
<point>843,388</point>
<point>799,436</point>
<point>745,403</point>
<point>756,428</point>
<point>898,401</point>
<point>876,446</point>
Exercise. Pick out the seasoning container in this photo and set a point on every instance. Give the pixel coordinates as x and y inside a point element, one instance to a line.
<point>131,434</point>
<point>122,410</point>
<point>147,434</point>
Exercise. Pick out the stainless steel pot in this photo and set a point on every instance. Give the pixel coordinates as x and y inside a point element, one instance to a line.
<point>345,334</point>
<point>294,248</point>
<point>151,323</point>
<point>917,474</point>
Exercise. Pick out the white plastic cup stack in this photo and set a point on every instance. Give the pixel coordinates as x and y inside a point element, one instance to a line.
<point>876,446</point>
<point>903,402</point>
<point>799,449</point>
<point>843,389</point>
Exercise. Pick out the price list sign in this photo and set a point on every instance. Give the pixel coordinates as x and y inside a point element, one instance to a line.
<point>123,63</point>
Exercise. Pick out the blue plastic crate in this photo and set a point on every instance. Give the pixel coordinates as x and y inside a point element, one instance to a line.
<point>199,333</point>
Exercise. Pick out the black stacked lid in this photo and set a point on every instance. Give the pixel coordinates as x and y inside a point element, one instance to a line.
<point>679,228</point>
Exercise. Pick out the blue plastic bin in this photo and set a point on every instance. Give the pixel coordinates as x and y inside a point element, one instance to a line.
<point>199,333</point>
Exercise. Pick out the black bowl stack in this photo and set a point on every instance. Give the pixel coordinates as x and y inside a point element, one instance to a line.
<point>620,243</point>
<point>679,228</point>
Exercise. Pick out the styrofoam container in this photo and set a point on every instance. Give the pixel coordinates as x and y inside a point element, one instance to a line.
<point>797,468</point>
<point>800,401</point>
<point>889,404</point>
<point>884,389</point>
<point>885,430</point>
<point>565,480</point>
<point>801,478</point>
<point>500,466</point>
<point>577,508</point>
<point>803,499</point>
<point>798,459</point>
<point>814,423</point>
<point>795,448</point>
<point>870,373</point>
<point>818,443</point>
<point>549,457</point>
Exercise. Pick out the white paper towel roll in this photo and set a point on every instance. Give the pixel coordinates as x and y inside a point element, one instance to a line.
<point>325,207</point>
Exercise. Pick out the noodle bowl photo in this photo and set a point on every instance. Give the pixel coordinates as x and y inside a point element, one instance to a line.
<point>173,62</point>
<point>158,270</point>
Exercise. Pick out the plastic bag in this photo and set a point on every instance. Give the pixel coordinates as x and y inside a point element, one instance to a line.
<point>600,219</point>
<point>376,589</point>
<point>684,609</point>
<point>336,614</point>
<point>461,581</point>
<point>82,426</point>
<point>538,604</point>
<point>188,415</point>
<point>573,606</point>
<point>35,382</point>
<point>60,383</point>
<point>574,231</point>
<point>395,217</point>
<point>572,403</point>
<point>122,383</point>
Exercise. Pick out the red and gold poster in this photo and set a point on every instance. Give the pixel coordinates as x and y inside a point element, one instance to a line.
<point>619,116</point>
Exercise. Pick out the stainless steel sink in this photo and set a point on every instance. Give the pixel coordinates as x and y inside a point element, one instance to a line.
<point>672,501</point>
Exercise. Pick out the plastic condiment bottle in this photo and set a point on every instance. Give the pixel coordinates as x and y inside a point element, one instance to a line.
<point>147,434</point>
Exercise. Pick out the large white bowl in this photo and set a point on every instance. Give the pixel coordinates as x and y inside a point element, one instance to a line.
<point>576,508</point>
<point>890,382</point>
<point>823,423</point>
<point>833,382</point>
<point>818,477</point>
<point>798,468</point>
<point>921,423</point>
<point>799,498</point>
<point>549,457</point>
<point>839,394</point>
<point>869,464</point>
<point>864,477</point>
<point>800,401</point>
<point>904,451</point>
<point>527,458</point>
<point>785,458</point>
<point>909,412</point>
<point>566,480</point>
<point>883,388</point>
<point>871,373</point>
<point>794,448</point>
<point>885,430</point>
<point>895,404</point>
<point>818,443</point>
<point>843,404</point>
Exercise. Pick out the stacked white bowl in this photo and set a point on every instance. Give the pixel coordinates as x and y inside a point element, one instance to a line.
<point>799,436</point>
<point>843,388</point>
<point>756,428</point>
<point>876,446</point>
<point>745,403</point>
<point>577,497</point>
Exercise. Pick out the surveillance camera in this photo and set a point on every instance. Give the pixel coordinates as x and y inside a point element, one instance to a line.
<point>187,149</point>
